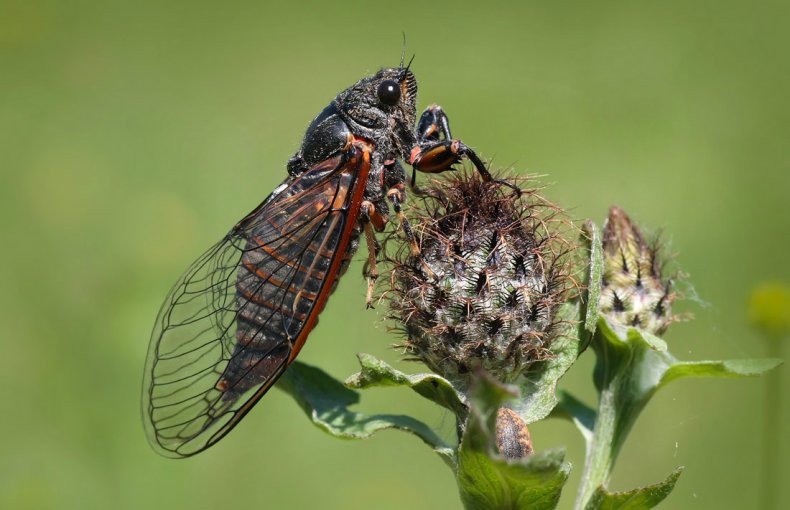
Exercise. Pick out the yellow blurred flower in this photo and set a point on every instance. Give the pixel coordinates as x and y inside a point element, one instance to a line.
<point>769,309</point>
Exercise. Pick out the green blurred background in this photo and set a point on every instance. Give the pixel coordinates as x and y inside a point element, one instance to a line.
<point>134,134</point>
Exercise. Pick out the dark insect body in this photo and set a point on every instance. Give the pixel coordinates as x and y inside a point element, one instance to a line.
<point>240,314</point>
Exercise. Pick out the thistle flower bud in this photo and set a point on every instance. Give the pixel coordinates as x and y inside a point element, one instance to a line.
<point>634,293</point>
<point>485,287</point>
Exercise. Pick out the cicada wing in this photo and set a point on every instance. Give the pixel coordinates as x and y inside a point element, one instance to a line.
<point>236,318</point>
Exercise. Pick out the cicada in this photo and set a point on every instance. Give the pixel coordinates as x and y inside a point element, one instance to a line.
<point>240,314</point>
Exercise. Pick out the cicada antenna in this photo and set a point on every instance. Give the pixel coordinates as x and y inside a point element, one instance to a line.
<point>403,50</point>
<point>405,71</point>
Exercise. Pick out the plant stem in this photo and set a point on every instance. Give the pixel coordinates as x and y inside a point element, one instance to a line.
<point>771,435</point>
<point>600,455</point>
<point>620,402</point>
<point>601,448</point>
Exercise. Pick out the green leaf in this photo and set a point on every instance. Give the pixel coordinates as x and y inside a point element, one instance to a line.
<point>487,481</point>
<point>325,401</point>
<point>539,385</point>
<point>616,336</point>
<point>652,341</point>
<point>725,368</point>
<point>534,483</point>
<point>582,415</point>
<point>431,386</point>
<point>642,498</point>
<point>620,336</point>
<point>594,276</point>
<point>664,368</point>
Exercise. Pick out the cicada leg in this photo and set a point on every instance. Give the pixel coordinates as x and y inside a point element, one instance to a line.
<point>396,198</point>
<point>370,218</point>
<point>396,195</point>
<point>436,150</point>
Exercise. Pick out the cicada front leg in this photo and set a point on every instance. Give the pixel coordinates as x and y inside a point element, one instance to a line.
<point>437,151</point>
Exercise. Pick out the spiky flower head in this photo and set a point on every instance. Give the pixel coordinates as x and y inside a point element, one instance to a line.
<point>484,290</point>
<point>634,293</point>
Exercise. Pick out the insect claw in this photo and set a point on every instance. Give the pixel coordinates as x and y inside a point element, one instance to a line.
<point>502,182</point>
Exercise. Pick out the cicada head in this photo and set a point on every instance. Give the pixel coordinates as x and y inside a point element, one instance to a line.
<point>383,107</point>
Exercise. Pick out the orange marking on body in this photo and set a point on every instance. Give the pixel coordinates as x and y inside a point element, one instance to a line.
<point>413,155</point>
<point>288,262</point>
<point>268,278</point>
<point>396,191</point>
<point>276,308</point>
<point>378,220</point>
<point>339,201</point>
<point>362,169</point>
<point>302,209</point>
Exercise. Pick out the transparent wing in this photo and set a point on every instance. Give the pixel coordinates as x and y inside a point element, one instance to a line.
<point>239,315</point>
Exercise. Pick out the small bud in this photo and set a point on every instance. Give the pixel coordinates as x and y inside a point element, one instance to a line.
<point>484,290</point>
<point>512,435</point>
<point>634,293</point>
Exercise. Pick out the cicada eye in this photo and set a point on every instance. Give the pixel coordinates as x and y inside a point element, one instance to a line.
<point>389,92</point>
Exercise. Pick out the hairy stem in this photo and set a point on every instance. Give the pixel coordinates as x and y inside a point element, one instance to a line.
<point>600,457</point>
<point>618,407</point>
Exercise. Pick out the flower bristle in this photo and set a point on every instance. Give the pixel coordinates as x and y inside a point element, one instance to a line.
<point>485,288</point>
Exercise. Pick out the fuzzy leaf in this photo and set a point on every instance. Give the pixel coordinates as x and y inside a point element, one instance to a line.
<point>616,336</point>
<point>725,368</point>
<point>620,336</point>
<point>431,386</point>
<point>671,369</point>
<point>325,401</point>
<point>582,415</point>
<point>594,276</point>
<point>534,483</point>
<point>642,498</point>
<point>655,343</point>
<point>539,385</point>
<point>489,482</point>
